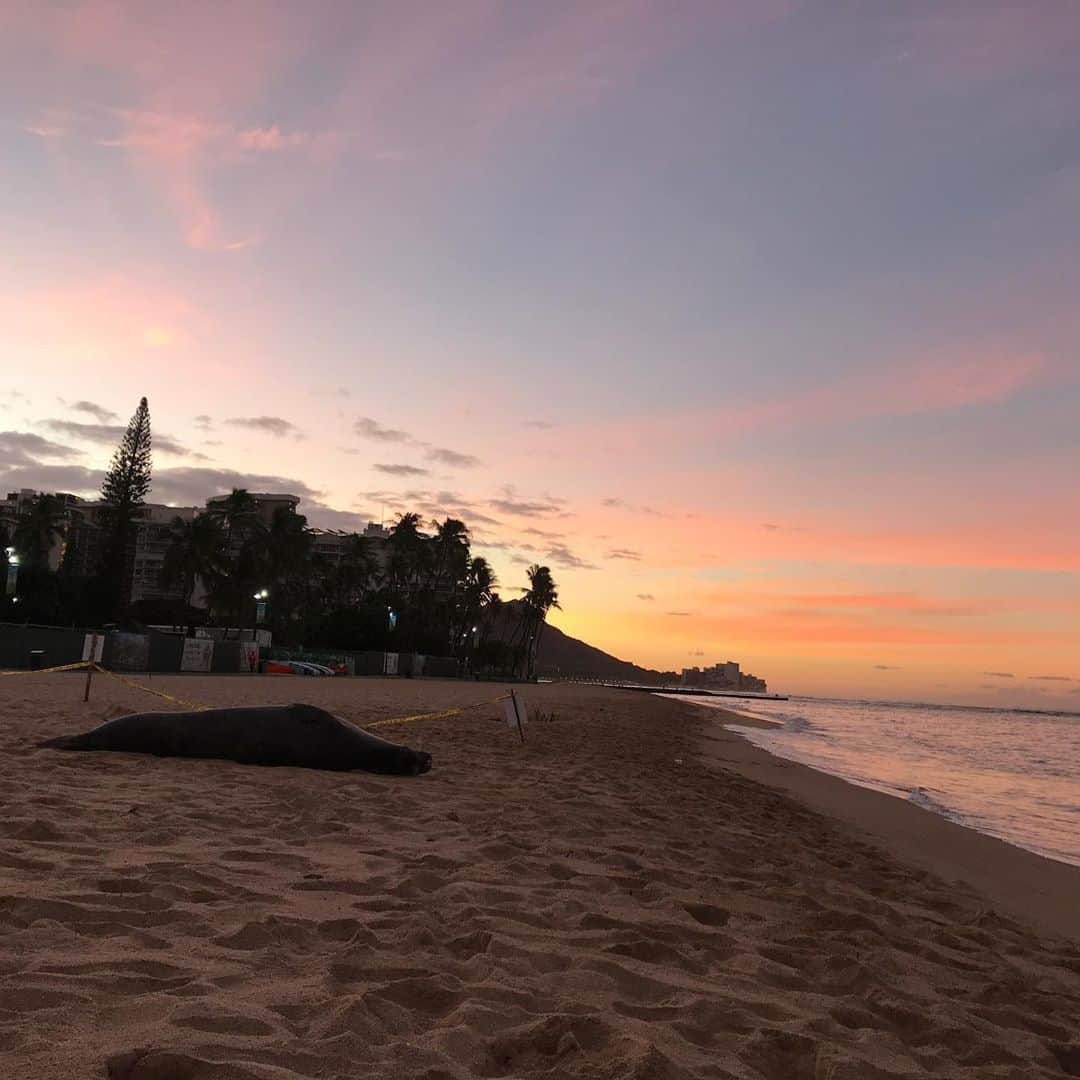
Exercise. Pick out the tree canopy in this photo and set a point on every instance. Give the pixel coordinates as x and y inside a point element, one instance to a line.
<point>418,589</point>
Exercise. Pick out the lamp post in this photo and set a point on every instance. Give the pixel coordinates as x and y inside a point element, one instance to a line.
<point>260,605</point>
<point>12,570</point>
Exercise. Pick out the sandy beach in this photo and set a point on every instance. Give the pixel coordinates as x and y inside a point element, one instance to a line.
<point>635,892</point>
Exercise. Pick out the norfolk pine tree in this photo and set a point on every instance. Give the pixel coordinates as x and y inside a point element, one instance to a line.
<point>123,492</point>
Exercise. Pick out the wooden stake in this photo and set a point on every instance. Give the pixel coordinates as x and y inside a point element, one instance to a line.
<point>90,667</point>
<point>517,716</point>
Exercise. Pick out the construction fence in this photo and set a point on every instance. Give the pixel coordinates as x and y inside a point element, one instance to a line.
<point>158,650</point>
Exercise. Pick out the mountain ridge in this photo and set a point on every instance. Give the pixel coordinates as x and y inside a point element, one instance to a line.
<point>560,654</point>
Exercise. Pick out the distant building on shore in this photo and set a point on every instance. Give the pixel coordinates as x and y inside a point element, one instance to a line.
<point>723,676</point>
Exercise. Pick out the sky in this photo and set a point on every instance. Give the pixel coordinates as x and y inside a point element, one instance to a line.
<point>754,319</point>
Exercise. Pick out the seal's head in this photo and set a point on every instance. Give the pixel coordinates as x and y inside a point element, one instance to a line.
<point>415,762</point>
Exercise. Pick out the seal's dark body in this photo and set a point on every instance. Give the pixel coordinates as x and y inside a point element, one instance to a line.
<point>302,736</point>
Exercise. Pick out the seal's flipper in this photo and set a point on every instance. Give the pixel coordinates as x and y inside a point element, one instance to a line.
<point>61,742</point>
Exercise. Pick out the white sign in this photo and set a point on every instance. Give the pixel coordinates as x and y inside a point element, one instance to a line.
<point>198,653</point>
<point>249,656</point>
<point>516,716</point>
<point>93,647</point>
<point>390,663</point>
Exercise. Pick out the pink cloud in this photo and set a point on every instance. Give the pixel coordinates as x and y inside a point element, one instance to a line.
<point>966,41</point>
<point>197,57</point>
<point>894,603</point>
<point>1034,542</point>
<point>965,378</point>
<point>178,153</point>
<point>448,81</point>
<point>950,381</point>
<point>947,380</point>
<point>174,134</point>
<point>813,630</point>
<point>184,73</point>
<point>45,130</point>
<point>271,138</point>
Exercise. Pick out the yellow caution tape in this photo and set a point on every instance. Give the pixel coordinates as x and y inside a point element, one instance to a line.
<point>147,690</point>
<point>84,664</point>
<point>379,723</point>
<point>81,665</point>
<point>436,715</point>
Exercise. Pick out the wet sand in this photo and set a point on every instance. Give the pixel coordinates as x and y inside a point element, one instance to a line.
<point>620,897</point>
<point>1040,891</point>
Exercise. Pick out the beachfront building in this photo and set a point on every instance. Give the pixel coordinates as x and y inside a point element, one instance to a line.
<point>19,502</point>
<point>265,504</point>
<point>13,506</point>
<point>151,543</point>
<point>82,541</point>
<point>78,551</point>
<point>332,544</point>
<point>329,545</point>
<point>723,676</point>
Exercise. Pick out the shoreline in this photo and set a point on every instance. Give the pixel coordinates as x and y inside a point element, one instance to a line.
<point>883,788</point>
<point>1037,889</point>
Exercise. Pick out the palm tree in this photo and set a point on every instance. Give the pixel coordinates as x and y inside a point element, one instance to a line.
<point>286,545</point>
<point>356,570</point>
<point>286,564</point>
<point>407,553</point>
<point>450,547</point>
<point>196,551</point>
<point>237,513</point>
<point>478,584</point>
<point>38,529</point>
<point>540,597</point>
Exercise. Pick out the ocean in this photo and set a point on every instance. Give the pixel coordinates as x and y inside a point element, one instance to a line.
<point>1011,774</point>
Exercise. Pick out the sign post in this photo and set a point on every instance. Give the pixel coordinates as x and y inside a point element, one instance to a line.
<point>516,715</point>
<point>90,666</point>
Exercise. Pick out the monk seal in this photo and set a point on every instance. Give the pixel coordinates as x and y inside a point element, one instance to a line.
<point>302,736</point>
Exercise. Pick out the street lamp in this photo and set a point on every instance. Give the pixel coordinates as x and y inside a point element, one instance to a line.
<point>12,569</point>
<point>260,605</point>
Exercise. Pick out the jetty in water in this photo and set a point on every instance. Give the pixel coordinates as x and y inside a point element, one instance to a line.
<point>689,691</point>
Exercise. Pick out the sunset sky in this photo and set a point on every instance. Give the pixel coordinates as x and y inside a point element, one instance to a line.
<point>756,320</point>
